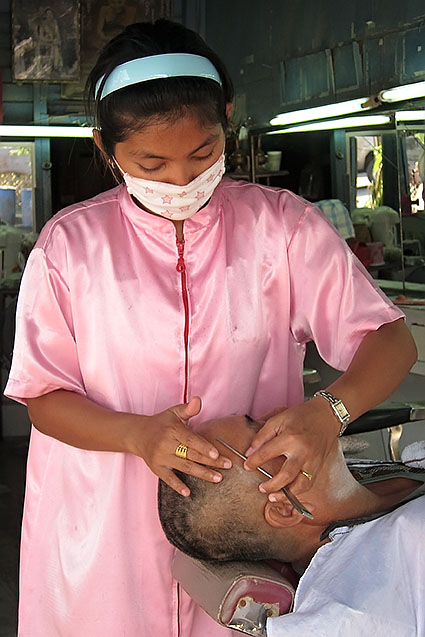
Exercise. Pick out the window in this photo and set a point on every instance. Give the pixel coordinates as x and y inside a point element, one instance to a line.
<point>17,171</point>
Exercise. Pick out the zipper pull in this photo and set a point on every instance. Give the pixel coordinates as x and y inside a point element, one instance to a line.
<point>181,267</point>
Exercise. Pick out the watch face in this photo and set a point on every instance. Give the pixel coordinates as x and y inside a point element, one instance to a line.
<point>341,409</point>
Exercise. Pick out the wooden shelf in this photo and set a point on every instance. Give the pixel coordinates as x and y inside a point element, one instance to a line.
<point>258,175</point>
<point>278,173</point>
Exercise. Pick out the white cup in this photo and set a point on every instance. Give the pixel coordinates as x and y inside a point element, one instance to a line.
<point>273,159</point>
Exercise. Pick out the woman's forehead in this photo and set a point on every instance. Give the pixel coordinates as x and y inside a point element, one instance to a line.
<point>159,137</point>
<point>167,124</point>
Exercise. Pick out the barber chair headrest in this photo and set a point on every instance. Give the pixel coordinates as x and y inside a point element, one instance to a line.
<point>238,595</point>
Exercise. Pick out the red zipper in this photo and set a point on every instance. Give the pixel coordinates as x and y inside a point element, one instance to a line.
<point>181,267</point>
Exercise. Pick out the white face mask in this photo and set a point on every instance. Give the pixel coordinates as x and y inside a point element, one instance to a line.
<point>176,202</point>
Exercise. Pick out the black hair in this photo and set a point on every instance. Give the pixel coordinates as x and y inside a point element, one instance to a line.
<point>212,523</point>
<point>129,109</point>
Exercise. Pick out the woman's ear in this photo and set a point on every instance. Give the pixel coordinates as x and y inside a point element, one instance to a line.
<point>97,138</point>
<point>281,515</point>
<point>229,109</point>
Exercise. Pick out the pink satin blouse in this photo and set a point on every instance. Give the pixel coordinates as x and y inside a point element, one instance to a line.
<point>105,311</point>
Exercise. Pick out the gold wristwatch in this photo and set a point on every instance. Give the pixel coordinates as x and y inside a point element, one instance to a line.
<point>338,407</point>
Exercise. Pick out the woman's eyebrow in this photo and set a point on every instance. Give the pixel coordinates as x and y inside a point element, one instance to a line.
<point>210,140</point>
<point>141,154</point>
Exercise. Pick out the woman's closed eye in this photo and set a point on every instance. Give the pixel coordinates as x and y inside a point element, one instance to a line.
<point>150,170</point>
<point>162,165</point>
<point>204,157</point>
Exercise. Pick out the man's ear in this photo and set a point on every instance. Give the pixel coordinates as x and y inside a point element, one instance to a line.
<point>229,109</point>
<point>281,515</point>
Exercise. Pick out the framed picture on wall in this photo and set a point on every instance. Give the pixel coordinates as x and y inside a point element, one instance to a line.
<point>46,40</point>
<point>101,20</point>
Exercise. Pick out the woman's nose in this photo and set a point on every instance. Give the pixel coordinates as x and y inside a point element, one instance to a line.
<point>182,175</point>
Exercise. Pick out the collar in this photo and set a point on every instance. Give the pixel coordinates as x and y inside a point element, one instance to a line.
<point>207,216</point>
<point>339,524</point>
<point>368,471</point>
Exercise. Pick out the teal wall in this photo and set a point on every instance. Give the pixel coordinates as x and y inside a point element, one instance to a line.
<point>281,54</point>
<point>285,55</point>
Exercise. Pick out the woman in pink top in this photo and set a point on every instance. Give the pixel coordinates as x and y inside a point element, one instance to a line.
<point>177,284</point>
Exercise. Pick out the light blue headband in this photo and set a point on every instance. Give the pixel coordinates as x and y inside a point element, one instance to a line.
<point>157,67</point>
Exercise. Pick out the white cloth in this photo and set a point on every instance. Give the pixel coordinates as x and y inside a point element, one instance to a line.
<point>414,454</point>
<point>338,215</point>
<point>368,581</point>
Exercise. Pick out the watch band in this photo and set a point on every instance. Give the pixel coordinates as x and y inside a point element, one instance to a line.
<point>338,407</point>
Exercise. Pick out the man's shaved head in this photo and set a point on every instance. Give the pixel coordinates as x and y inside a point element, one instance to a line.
<point>233,520</point>
<point>221,521</point>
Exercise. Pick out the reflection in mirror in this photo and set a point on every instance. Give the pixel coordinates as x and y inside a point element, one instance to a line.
<point>369,171</point>
<point>412,167</point>
<point>412,177</point>
<point>374,203</point>
<point>17,184</point>
<point>386,174</point>
<point>17,170</point>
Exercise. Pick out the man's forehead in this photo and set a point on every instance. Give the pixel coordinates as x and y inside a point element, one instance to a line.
<point>236,430</point>
<point>235,423</point>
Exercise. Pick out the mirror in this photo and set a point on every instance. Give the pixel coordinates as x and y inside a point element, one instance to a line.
<point>412,177</point>
<point>386,177</point>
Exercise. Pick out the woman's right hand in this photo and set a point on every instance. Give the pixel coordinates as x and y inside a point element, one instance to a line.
<point>157,439</point>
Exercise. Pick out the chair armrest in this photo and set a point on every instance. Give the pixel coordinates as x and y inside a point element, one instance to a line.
<point>386,415</point>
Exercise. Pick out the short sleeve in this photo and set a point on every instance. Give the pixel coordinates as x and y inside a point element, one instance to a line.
<point>334,300</point>
<point>45,355</point>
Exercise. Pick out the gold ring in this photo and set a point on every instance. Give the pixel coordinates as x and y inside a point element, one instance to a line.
<point>308,475</point>
<point>181,451</point>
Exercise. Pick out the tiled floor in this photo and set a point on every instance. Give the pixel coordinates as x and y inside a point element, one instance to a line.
<point>12,478</point>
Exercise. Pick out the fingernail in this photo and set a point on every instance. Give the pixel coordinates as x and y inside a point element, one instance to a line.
<point>249,450</point>
<point>272,498</point>
<point>217,477</point>
<point>213,454</point>
<point>185,492</point>
<point>261,488</point>
<point>227,464</point>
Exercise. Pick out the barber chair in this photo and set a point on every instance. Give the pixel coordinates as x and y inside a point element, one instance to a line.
<point>238,595</point>
<point>392,417</point>
<point>242,595</point>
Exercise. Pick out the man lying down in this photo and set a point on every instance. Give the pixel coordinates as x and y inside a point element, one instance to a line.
<point>362,576</point>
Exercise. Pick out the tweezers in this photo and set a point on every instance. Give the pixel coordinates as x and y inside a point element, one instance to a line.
<point>292,499</point>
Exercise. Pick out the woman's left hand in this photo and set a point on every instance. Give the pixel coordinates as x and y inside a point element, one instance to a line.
<point>304,435</point>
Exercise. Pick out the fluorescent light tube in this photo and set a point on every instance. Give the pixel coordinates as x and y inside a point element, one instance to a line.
<point>322,112</point>
<point>346,122</point>
<point>406,92</point>
<point>46,131</point>
<point>409,116</point>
